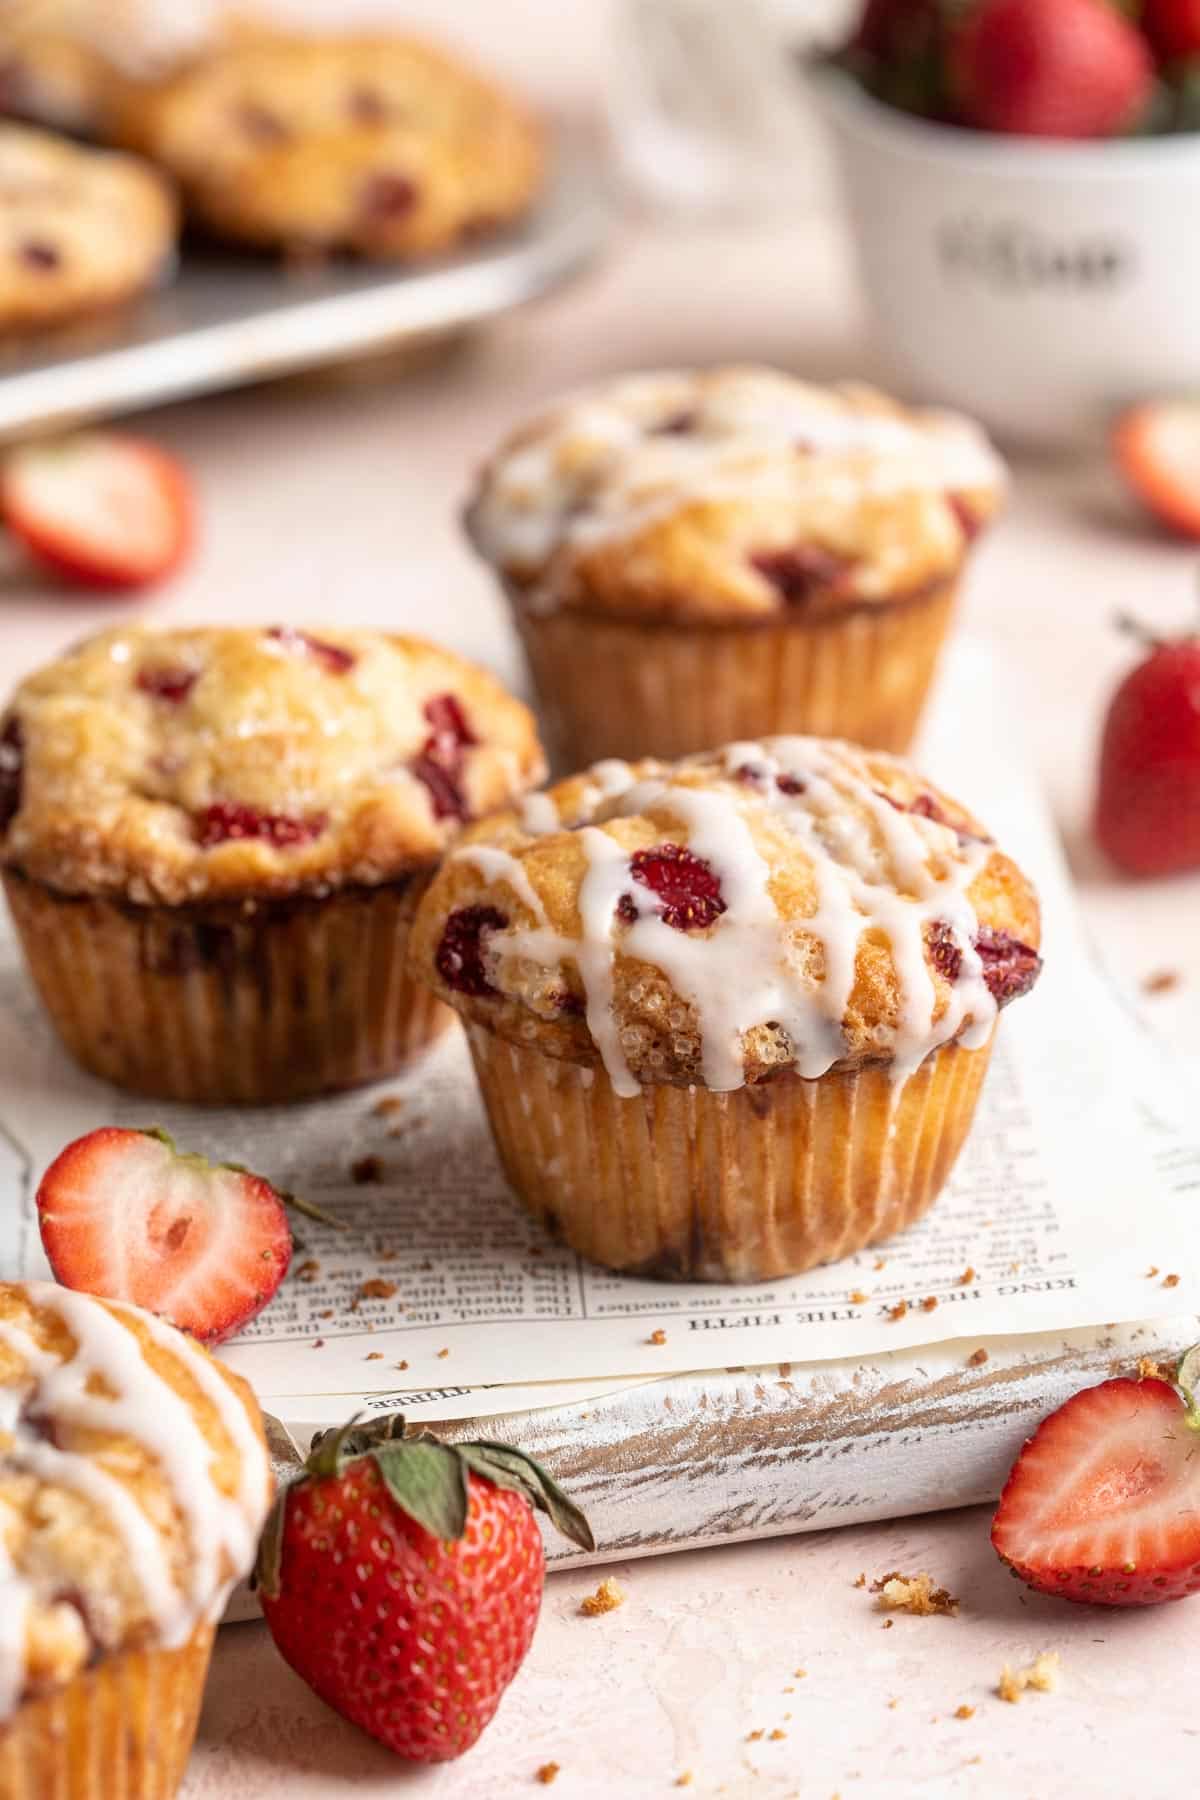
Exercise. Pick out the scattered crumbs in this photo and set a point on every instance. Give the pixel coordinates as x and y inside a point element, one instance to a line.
<point>607,1597</point>
<point>972,1760</point>
<point>389,1107</point>
<point>318,1343</point>
<point>657,1337</point>
<point>1161,981</point>
<point>929,1303</point>
<point>801,1673</point>
<point>1014,1268</point>
<point>858,1298</point>
<point>1152,1271</point>
<point>402,1365</point>
<point>774,1737</point>
<point>308,1271</point>
<point>789,1690</point>
<point>1042,1674</point>
<point>898,1311</point>
<point>1170,1280</point>
<point>916,1594</point>
<point>326,1313</point>
<point>881,1262</point>
<point>1150,1370</point>
<point>366,1170</point>
<point>888,1623</point>
<point>752,1737</point>
<point>893,1704</point>
<point>967,1277</point>
<point>377,1289</point>
<point>548,1773</point>
<point>373,1356</point>
<point>387,1255</point>
<point>964,1712</point>
<point>442,1353</point>
<point>862,1580</point>
<point>977,1358</point>
<point>684,1780</point>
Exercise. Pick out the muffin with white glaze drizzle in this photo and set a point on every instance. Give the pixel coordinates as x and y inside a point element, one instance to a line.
<point>213,841</point>
<point>134,1483</point>
<point>694,557</point>
<point>731,1015</point>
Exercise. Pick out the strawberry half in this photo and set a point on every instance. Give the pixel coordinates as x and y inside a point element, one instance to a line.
<point>101,509</point>
<point>1157,450</point>
<point>1103,1503</point>
<point>402,1579</point>
<point>125,1215</point>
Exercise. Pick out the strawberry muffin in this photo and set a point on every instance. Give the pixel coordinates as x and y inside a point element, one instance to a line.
<point>697,557</point>
<point>213,842</point>
<point>134,1483</point>
<point>730,1016</point>
<point>382,146</point>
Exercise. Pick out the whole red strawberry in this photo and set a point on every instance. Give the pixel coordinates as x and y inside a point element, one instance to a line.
<point>1103,1503</point>
<point>1050,68</point>
<point>1173,27</point>
<point>402,1578</point>
<point>1148,801</point>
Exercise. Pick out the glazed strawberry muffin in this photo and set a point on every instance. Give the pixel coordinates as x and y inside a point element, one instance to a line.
<point>81,230</point>
<point>381,146</point>
<point>730,1016</point>
<point>134,1483</point>
<point>213,842</point>
<point>697,557</point>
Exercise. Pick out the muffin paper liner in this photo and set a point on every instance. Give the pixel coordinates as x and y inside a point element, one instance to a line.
<point>120,1731</point>
<point>682,1184</point>
<point>629,688</point>
<point>230,1003</point>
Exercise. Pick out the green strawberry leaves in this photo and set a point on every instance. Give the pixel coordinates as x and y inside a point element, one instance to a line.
<point>428,1480</point>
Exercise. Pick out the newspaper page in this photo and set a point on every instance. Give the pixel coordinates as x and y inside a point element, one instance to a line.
<point>442,1295</point>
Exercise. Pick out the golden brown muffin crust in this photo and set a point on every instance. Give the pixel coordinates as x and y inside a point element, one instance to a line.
<point>731,495</point>
<point>795,903</point>
<point>207,764</point>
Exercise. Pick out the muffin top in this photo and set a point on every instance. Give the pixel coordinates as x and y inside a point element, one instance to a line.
<point>733,494</point>
<point>379,144</point>
<point>134,1482</point>
<point>791,904</point>
<point>233,763</point>
<point>79,228</point>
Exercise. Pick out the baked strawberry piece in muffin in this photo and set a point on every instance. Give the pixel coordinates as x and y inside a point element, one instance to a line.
<point>213,842</point>
<point>730,1016</point>
<point>696,557</point>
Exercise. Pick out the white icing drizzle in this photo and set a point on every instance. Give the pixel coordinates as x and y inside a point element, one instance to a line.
<point>138,1403</point>
<point>607,463</point>
<point>539,815</point>
<point>874,865</point>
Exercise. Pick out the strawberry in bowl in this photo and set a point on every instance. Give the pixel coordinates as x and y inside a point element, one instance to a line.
<point>1020,172</point>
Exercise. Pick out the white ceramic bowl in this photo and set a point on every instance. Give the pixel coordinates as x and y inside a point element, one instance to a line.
<point>1037,285</point>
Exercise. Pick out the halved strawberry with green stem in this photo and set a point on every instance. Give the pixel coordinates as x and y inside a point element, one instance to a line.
<point>402,1579</point>
<point>1103,1503</point>
<point>125,1215</point>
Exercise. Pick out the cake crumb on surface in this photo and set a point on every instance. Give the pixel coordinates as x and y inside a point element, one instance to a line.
<point>373,1356</point>
<point>1150,1370</point>
<point>862,1580</point>
<point>442,1353</point>
<point>1161,981</point>
<point>606,1598</point>
<point>1171,1281</point>
<point>964,1712</point>
<point>977,1358</point>
<point>1041,1674</point>
<point>799,1674</point>
<point>929,1303</point>
<point>308,1271</point>
<point>657,1337</point>
<point>881,1262</point>
<point>1152,1271</point>
<point>366,1170</point>
<point>684,1779</point>
<point>775,1736</point>
<point>548,1773</point>
<point>897,1312</point>
<point>858,1298</point>
<point>752,1737</point>
<point>967,1276</point>
<point>377,1289</point>
<point>402,1365</point>
<point>916,1594</point>
<point>389,1106</point>
<point>887,1624</point>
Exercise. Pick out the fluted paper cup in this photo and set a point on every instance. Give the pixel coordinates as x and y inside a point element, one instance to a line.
<point>682,1184</point>
<point>230,1003</point>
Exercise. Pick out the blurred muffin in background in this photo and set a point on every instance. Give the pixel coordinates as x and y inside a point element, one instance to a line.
<point>381,146</point>
<point>699,556</point>
<point>81,230</point>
